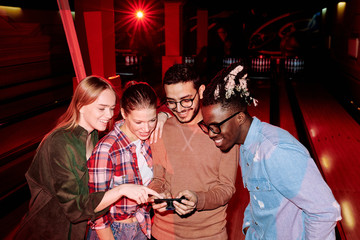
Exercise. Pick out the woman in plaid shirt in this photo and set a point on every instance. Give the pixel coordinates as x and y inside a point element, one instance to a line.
<point>60,204</point>
<point>123,156</point>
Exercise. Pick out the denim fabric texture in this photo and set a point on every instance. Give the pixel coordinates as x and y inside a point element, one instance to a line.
<point>289,199</point>
<point>122,231</point>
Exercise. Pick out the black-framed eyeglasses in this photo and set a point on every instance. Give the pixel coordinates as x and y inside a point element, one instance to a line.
<point>185,103</point>
<point>214,127</point>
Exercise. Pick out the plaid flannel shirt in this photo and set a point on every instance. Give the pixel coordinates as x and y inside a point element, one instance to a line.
<point>112,163</point>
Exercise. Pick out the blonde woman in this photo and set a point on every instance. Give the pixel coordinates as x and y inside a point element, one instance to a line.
<point>60,204</point>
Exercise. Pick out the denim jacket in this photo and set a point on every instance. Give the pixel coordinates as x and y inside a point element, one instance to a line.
<point>289,199</point>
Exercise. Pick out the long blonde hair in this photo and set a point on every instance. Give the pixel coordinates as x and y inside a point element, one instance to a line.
<point>87,91</point>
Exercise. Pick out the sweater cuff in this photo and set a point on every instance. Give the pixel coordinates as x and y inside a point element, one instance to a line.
<point>201,200</point>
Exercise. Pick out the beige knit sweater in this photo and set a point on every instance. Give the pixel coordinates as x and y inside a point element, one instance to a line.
<point>186,158</point>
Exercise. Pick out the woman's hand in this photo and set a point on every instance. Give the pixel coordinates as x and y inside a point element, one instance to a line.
<point>157,133</point>
<point>138,193</point>
<point>161,207</point>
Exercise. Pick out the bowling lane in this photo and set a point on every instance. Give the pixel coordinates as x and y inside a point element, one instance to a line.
<point>335,139</point>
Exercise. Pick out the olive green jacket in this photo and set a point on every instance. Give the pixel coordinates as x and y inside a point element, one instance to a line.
<point>60,204</point>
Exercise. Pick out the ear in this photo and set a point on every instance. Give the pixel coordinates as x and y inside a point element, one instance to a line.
<point>241,117</point>
<point>201,90</point>
<point>123,114</point>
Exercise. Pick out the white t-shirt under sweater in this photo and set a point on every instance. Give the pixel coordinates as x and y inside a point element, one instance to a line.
<point>145,171</point>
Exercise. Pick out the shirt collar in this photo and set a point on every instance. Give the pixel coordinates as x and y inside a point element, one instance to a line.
<point>252,133</point>
<point>82,133</point>
<point>79,131</point>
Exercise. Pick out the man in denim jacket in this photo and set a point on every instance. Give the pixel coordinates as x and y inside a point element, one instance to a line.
<point>289,199</point>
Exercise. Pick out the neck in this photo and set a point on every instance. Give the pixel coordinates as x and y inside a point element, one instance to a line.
<point>244,129</point>
<point>196,119</point>
<point>89,146</point>
<point>128,133</point>
<point>86,128</point>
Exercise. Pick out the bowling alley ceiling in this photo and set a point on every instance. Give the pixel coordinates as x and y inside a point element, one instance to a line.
<point>243,5</point>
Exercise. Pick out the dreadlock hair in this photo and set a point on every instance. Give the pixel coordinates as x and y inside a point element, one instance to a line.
<point>181,73</point>
<point>229,88</point>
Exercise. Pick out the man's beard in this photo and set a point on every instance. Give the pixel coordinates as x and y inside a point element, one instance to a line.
<point>195,113</point>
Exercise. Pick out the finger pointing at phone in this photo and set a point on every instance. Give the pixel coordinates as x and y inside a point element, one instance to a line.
<point>161,207</point>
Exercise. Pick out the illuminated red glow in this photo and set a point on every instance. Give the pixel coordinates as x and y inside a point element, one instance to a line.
<point>139,15</point>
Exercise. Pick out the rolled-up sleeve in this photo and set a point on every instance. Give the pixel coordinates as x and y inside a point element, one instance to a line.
<point>101,172</point>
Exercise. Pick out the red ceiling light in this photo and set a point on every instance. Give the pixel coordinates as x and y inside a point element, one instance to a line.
<point>139,14</point>
<point>141,20</point>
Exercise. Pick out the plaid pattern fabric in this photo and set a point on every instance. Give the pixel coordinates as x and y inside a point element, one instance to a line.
<point>112,163</point>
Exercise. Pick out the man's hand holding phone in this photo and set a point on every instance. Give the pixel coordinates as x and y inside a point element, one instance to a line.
<point>183,204</point>
<point>188,204</point>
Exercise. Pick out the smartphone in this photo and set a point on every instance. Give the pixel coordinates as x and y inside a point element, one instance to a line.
<point>169,201</point>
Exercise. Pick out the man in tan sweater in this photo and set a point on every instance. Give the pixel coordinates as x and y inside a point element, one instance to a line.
<point>187,163</point>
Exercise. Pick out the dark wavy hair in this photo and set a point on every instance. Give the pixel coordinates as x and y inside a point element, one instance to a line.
<point>215,91</point>
<point>181,73</point>
<point>138,95</point>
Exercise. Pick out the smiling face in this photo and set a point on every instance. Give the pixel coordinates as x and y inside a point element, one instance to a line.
<point>184,91</point>
<point>230,130</point>
<point>139,123</point>
<point>97,114</point>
